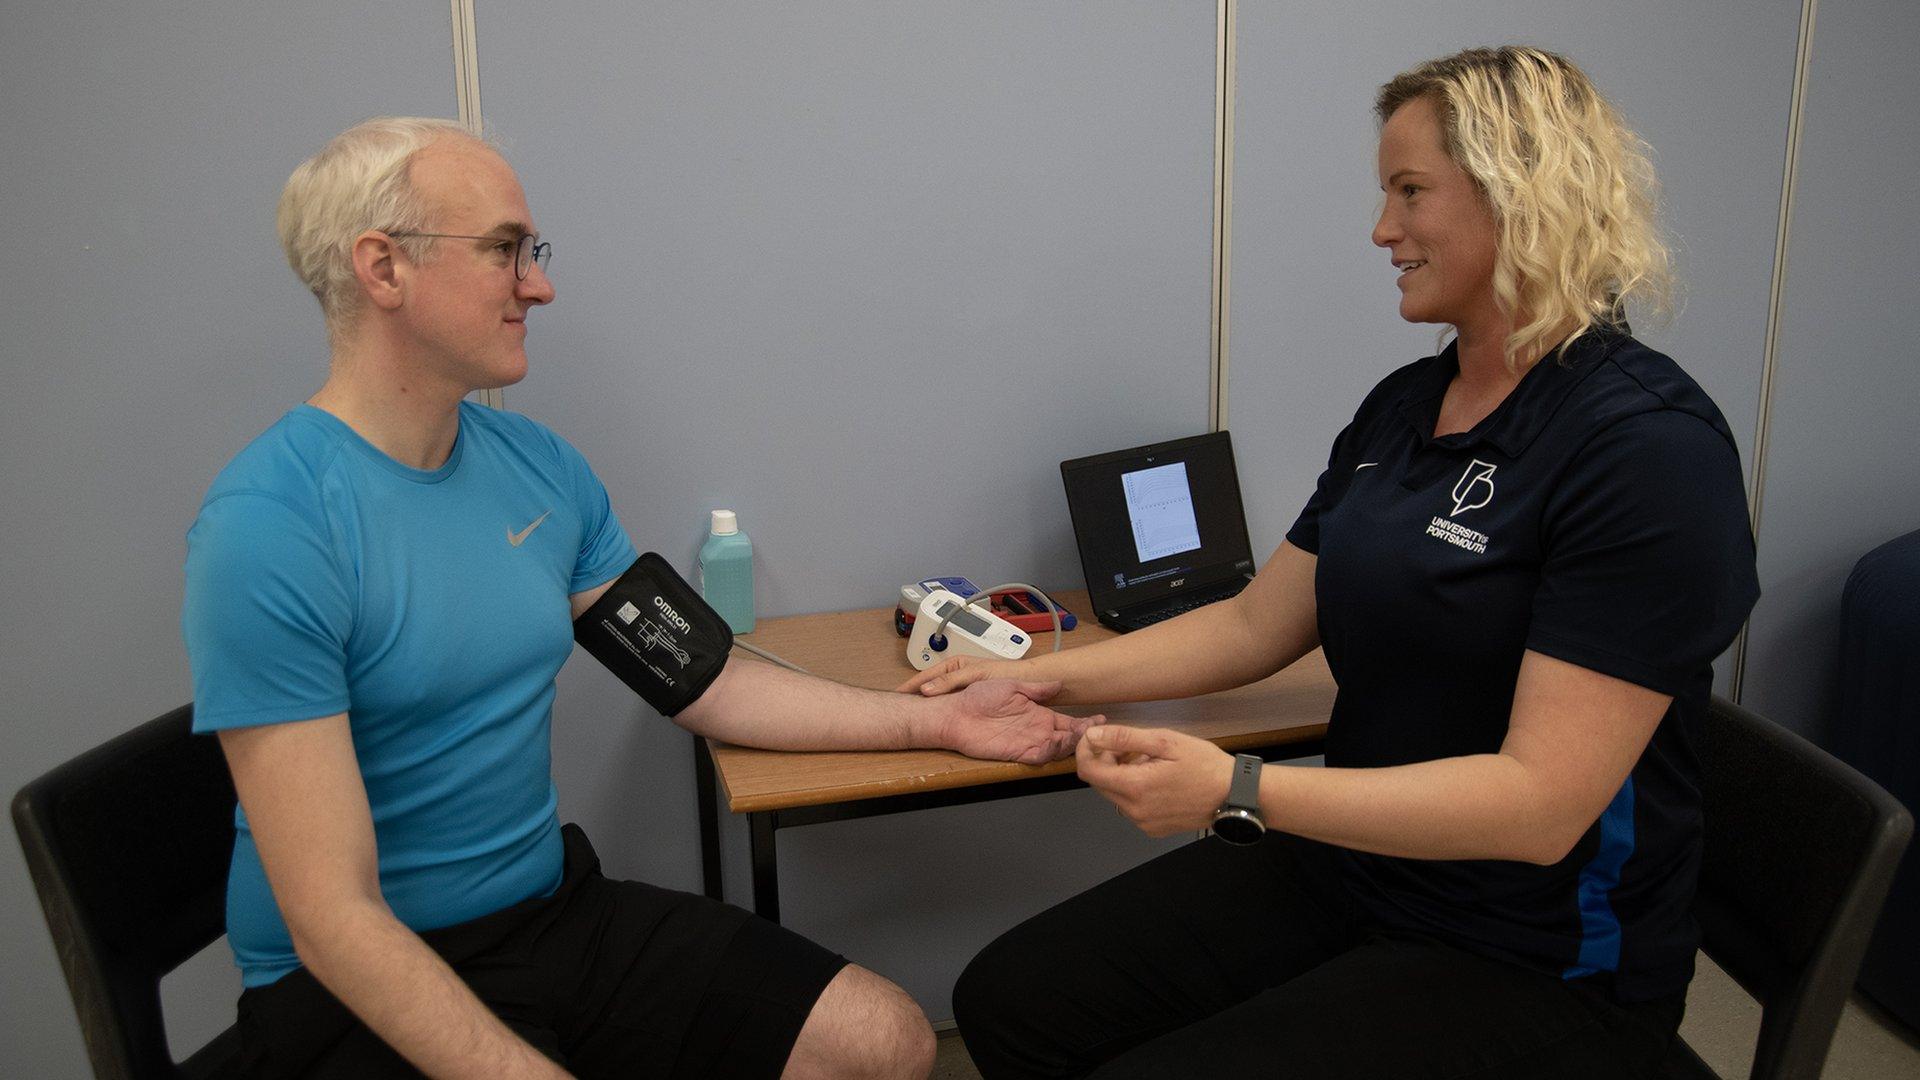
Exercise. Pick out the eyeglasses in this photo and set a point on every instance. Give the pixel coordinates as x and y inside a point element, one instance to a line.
<point>525,253</point>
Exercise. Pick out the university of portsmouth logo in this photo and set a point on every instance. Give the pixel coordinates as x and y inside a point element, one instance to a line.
<point>1472,491</point>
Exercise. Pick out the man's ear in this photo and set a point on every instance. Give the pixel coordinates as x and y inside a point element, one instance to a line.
<point>376,266</point>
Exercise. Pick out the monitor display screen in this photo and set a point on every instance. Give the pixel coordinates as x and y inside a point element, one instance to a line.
<point>1158,518</point>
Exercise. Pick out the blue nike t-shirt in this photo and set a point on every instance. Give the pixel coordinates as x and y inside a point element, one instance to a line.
<point>431,607</point>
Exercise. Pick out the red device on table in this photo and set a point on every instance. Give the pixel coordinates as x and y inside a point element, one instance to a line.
<point>1018,606</point>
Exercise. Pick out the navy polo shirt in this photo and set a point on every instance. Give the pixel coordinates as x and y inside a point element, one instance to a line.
<point>1596,516</point>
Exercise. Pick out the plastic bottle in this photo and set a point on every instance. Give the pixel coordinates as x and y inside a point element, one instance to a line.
<point>726,571</point>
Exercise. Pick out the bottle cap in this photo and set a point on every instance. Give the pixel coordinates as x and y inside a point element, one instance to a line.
<point>725,523</point>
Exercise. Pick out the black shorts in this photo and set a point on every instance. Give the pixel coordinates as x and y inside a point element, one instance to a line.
<point>609,978</point>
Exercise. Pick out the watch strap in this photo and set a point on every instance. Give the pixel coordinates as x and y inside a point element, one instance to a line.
<point>1244,793</point>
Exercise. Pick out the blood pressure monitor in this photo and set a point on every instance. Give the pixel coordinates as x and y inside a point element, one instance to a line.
<point>969,631</point>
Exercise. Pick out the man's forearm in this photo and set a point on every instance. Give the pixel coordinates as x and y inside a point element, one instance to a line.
<point>754,703</point>
<point>411,999</point>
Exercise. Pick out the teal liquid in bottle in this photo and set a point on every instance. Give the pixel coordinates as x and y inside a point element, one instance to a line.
<point>726,572</point>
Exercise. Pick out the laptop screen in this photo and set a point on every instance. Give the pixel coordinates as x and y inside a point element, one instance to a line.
<point>1157,521</point>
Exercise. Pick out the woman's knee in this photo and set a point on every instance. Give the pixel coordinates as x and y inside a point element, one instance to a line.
<point>999,1007</point>
<point>991,986</point>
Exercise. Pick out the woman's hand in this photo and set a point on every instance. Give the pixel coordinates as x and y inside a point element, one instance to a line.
<point>959,672</point>
<point>1164,781</point>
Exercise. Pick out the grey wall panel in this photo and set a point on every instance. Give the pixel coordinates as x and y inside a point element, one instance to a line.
<point>152,329</point>
<point>1314,323</point>
<point>863,273</point>
<point>1840,476</point>
<point>915,897</point>
<point>821,262</point>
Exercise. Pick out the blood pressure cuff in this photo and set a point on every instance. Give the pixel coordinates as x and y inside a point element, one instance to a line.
<point>651,629</point>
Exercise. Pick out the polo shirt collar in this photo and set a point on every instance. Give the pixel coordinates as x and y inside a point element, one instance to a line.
<point>1519,419</point>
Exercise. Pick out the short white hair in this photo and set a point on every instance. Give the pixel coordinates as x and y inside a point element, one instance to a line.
<point>360,180</point>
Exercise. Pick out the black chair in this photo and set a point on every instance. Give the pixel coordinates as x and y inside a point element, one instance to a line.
<point>128,845</point>
<point>1800,850</point>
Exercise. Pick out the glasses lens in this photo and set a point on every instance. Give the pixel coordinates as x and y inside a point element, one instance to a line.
<point>529,253</point>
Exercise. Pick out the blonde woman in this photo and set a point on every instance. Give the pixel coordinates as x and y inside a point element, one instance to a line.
<point>1521,560</point>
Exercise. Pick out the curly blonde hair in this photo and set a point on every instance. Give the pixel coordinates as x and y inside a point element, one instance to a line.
<point>1569,184</point>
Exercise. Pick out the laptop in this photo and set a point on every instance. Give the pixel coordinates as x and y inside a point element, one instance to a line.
<point>1161,528</point>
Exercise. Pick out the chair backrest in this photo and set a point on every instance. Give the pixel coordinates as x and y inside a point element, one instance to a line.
<point>128,845</point>
<point>1800,850</point>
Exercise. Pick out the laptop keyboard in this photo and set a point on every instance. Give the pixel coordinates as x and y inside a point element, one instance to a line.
<point>1149,618</point>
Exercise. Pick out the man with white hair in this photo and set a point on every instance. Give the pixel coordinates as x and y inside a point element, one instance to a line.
<point>380,591</point>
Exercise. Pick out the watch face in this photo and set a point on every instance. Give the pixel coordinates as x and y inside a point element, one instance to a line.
<point>1238,827</point>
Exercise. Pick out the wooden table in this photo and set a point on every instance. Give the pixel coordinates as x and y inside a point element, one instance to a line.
<point>1281,717</point>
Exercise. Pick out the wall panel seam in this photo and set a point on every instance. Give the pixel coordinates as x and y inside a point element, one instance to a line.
<point>1763,420</point>
<point>466,95</point>
<point>1223,93</point>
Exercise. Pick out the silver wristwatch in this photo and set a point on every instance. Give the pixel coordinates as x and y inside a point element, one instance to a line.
<point>1238,822</point>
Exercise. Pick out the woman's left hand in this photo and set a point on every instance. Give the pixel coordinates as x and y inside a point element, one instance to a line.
<point>1164,781</point>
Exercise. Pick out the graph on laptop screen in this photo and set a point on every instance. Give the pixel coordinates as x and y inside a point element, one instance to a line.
<point>1158,524</point>
<point>1160,509</point>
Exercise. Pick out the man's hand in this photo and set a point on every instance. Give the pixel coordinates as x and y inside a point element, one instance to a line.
<point>1164,781</point>
<point>957,673</point>
<point>1001,720</point>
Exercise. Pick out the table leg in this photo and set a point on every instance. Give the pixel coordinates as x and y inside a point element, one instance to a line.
<point>709,819</point>
<point>766,871</point>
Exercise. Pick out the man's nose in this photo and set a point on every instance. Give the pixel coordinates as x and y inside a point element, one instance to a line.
<point>537,286</point>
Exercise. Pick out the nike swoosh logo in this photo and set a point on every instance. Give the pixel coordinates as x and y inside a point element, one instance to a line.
<point>518,538</point>
<point>1365,465</point>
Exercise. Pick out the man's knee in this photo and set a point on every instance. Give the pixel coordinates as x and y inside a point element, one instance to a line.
<point>862,1026</point>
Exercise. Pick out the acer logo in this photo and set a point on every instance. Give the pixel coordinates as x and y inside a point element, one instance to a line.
<point>1177,582</point>
<point>673,616</point>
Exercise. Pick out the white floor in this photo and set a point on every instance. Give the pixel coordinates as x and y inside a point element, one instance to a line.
<point>1721,1025</point>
